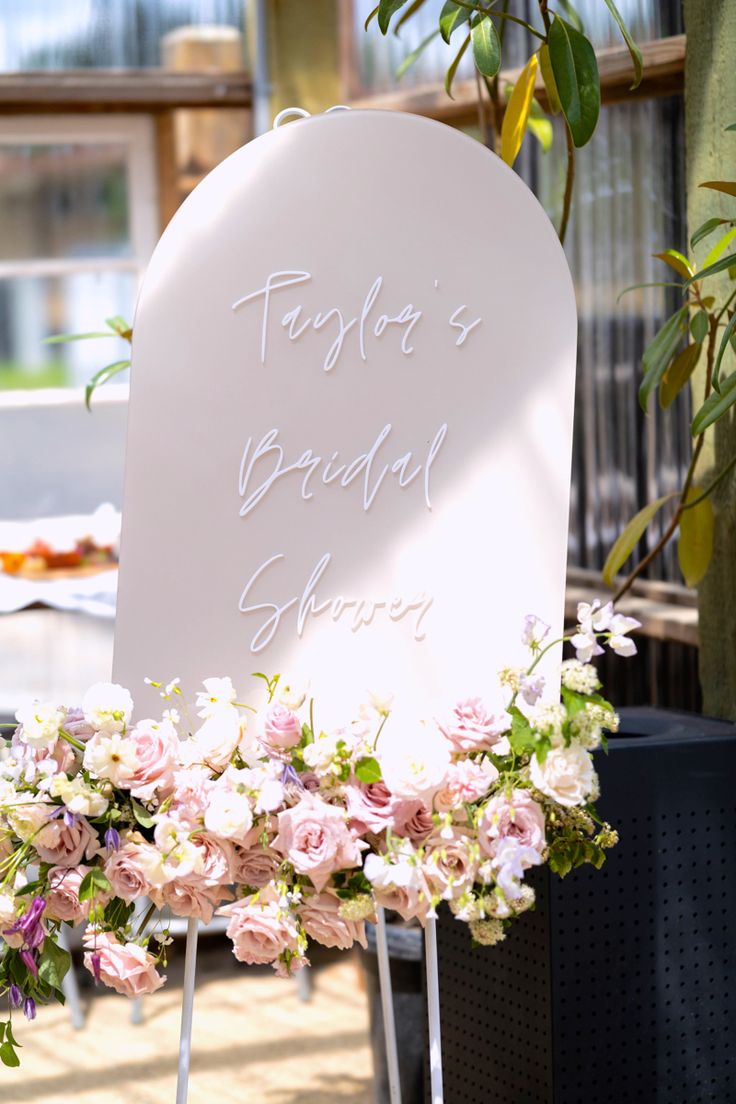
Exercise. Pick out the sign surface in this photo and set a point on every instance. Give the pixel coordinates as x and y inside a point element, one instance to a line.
<point>350,420</point>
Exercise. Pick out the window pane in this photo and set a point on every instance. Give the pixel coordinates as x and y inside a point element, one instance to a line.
<point>32,308</point>
<point>63,201</point>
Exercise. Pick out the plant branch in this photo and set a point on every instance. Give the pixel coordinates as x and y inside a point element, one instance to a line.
<point>480,10</point>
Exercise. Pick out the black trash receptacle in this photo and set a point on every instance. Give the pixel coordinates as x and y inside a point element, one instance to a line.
<point>620,987</point>
<point>405,948</point>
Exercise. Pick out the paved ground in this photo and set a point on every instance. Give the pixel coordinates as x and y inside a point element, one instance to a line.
<point>254,1042</point>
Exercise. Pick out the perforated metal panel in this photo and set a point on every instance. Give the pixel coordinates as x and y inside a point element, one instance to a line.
<point>621,986</point>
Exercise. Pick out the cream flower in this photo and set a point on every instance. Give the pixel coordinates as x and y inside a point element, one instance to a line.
<point>218,694</point>
<point>107,707</point>
<point>40,723</point>
<point>78,796</point>
<point>566,775</point>
<point>111,756</point>
<point>415,764</point>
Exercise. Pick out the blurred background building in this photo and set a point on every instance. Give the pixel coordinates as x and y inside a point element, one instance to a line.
<point>111,111</point>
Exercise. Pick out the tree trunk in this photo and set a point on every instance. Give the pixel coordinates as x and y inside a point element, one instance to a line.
<point>710,106</point>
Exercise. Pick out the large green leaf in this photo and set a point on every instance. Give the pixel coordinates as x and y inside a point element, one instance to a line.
<point>705,229</point>
<point>628,539</point>
<point>452,16</point>
<point>659,353</point>
<point>695,545</point>
<point>386,10</point>
<point>699,326</point>
<point>103,376</point>
<point>368,770</point>
<point>633,48</point>
<point>486,47</point>
<point>680,369</point>
<point>716,405</point>
<point>53,963</point>
<point>576,75</point>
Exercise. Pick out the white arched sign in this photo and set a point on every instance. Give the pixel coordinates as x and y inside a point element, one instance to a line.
<point>350,419</point>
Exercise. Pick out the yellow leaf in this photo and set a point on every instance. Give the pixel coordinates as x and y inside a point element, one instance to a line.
<point>695,546</point>
<point>719,247</point>
<point>627,541</point>
<point>678,373</point>
<point>675,260</point>
<point>553,97</point>
<point>517,111</point>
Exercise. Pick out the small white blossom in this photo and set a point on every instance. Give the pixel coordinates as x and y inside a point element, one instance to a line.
<point>582,678</point>
<point>78,796</point>
<point>107,707</point>
<point>548,719</point>
<point>534,632</point>
<point>531,688</point>
<point>218,694</point>
<point>487,932</point>
<point>111,756</point>
<point>618,639</point>
<point>40,723</point>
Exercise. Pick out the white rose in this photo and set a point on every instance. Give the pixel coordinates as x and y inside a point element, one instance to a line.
<point>228,814</point>
<point>319,754</point>
<point>415,765</point>
<point>215,742</point>
<point>566,775</point>
<point>40,723</point>
<point>111,756</point>
<point>107,707</point>
<point>29,813</point>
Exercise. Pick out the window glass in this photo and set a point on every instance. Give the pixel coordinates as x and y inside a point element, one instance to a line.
<point>63,201</point>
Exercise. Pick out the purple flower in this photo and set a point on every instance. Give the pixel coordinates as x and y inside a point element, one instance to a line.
<point>29,924</point>
<point>16,997</point>
<point>29,961</point>
<point>29,1008</point>
<point>112,839</point>
<point>95,960</point>
<point>70,819</point>
<point>289,775</point>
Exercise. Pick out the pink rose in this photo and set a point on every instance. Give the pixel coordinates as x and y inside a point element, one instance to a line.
<point>467,781</point>
<point>414,819</point>
<point>410,903</point>
<point>255,866</point>
<point>516,815</point>
<point>192,789</point>
<point>471,727</point>
<point>62,901</point>
<point>372,807</point>
<point>58,752</point>
<point>315,838</point>
<point>64,844</point>
<point>135,870</point>
<point>190,897</point>
<point>125,967</point>
<point>218,859</point>
<point>282,728</point>
<point>156,749</point>
<point>260,930</point>
<point>450,864</point>
<point>320,916</point>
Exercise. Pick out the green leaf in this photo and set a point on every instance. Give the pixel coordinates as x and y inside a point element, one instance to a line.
<point>53,964</point>
<point>727,334</point>
<point>572,14</point>
<point>516,116</point>
<point>654,283</point>
<point>659,353</point>
<point>574,703</point>
<point>386,10</point>
<point>103,376</point>
<point>118,324</point>
<point>727,186</point>
<point>8,1057</point>
<point>10,1037</point>
<point>676,260</point>
<point>141,814</point>
<point>412,57</point>
<point>452,16</point>
<point>720,247</point>
<point>368,770</point>
<point>715,406</point>
<point>679,371</point>
<point>540,126</point>
<point>628,539</point>
<point>521,736</point>
<point>705,229</point>
<point>450,74</point>
<point>711,270</point>
<point>695,545</point>
<point>371,15</point>
<point>410,11</point>
<point>632,47</point>
<point>62,339</point>
<point>486,47</point>
<point>576,75</point>
<point>699,326</point>
<point>93,882</point>
<point>548,77</point>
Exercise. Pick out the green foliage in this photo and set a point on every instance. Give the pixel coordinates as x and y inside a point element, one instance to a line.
<point>368,770</point>
<point>53,963</point>
<point>576,76</point>
<point>93,883</point>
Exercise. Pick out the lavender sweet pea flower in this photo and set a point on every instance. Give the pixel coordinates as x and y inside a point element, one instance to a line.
<point>16,997</point>
<point>96,966</point>
<point>112,839</point>
<point>29,1008</point>
<point>70,819</point>
<point>29,924</point>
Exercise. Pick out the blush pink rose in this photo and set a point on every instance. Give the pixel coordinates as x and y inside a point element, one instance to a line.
<point>470,727</point>
<point>414,820</point>
<point>260,930</point>
<point>281,728</point>
<point>315,838</point>
<point>515,815</point>
<point>135,870</point>
<point>450,864</point>
<point>255,866</point>
<point>125,967</point>
<point>218,859</point>
<point>64,844</point>
<point>190,897</point>
<point>156,749</point>
<point>372,807</point>
<point>467,781</point>
<point>192,789</point>
<point>62,900</point>
<point>410,903</point>
<point>320,916</point>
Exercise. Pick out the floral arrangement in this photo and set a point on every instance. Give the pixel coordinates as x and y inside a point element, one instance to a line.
<point>249,810</point>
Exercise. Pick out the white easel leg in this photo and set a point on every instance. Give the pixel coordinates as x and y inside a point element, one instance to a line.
<point>433,1005</point>
<point>187,1009</point>
<point>387,1008</point>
